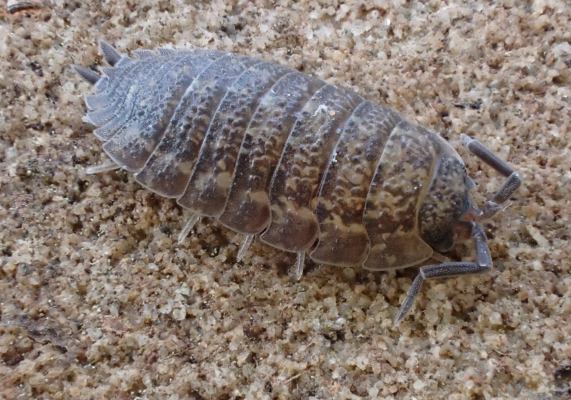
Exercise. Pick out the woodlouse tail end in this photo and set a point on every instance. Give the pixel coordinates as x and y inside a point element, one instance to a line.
<point>111,55</point>
<point>87,74</point>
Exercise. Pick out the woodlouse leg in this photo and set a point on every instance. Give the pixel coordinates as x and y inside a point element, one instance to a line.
<point>189,224</point>
<point>297,269</point>
<point>511,184</point>
<point>449,269</point>
<point>105,167</point>
<point>248,239</point>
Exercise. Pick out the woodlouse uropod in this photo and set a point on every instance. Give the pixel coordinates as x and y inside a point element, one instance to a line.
<point>308,166</point>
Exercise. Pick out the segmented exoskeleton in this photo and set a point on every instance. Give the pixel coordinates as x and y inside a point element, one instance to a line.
<point>306,166</point>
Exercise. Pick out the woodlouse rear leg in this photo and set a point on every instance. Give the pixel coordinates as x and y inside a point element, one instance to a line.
<point>248,239</point>
<point>104,167</point>
<point>188,225</point>
<point>297,269</point>
<point>510,185</point>
<point>450,269</point>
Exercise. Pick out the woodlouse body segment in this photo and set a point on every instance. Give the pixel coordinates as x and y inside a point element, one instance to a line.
<point>293,224</point>
<point>390,217</point>
<point>171,164</point>
<point>150,114</point>
<point>306,166</point>
<point>344,239</point>
<point>210,182</point>
<point>247,208</point>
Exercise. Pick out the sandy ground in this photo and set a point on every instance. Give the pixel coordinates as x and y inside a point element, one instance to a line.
<point>97,299</point>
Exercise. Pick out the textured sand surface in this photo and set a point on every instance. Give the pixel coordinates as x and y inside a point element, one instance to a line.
<point>97,300</point>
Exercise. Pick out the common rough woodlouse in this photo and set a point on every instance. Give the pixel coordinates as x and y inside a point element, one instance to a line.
<point>307,166</point>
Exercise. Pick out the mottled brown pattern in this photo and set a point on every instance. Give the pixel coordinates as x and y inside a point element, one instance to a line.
<point>391,212</point>
<point>132,145</point>
<point>115,114</point>
<point>190,135</point>
<point>169,167</point>
<point>212,177</point>
<point>98,301</point>
<point>446,201</point>
<point>187,129</point>
<point>247,209</point>
<point>343,239</point>
<point>294,226</point>
<point>105,103</point>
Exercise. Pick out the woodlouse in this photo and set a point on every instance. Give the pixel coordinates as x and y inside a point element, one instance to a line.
<point>307,166</point>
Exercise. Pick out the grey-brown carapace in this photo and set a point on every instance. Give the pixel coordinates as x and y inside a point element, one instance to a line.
<point>307,167</point>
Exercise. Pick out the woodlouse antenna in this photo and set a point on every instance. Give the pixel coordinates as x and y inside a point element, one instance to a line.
<point>510,185</point>
<point>450,269</point>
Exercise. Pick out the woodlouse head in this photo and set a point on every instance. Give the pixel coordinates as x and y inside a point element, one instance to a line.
<point>445,204</point>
